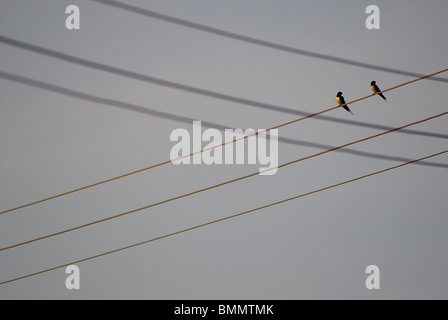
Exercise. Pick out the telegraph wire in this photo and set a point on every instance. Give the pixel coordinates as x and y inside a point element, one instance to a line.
<point>234,36</point>
<point>153,80</point>
<point>160,114</point>
<point>226,218</point>
<point>182,119</point>
<point>144,78</point>
<point>284,48</point>
<point>211,148</point>
<point>223,183</point>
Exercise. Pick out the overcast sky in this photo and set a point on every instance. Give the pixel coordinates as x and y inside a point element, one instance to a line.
<point>314,247</point>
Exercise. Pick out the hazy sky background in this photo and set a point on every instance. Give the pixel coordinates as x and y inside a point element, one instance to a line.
<point>314,247</point>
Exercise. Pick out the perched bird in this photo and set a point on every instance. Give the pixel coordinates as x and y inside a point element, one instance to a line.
<point>375,90</point>
<point>340,99</point>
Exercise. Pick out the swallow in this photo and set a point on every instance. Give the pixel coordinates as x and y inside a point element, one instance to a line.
<point>377,90</point>
<point>340,99</point>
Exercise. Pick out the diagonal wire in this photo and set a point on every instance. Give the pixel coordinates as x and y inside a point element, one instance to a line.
<point>174,117</point>
<point>156,113</point>
<point>213,147</point>
<point>222,183</point>
<point>225,218</point>
<point>153,80</point>
<point>235,36</point>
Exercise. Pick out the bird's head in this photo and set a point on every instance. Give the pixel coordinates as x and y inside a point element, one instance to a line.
<point>372,83</point>
<point>339,94</point>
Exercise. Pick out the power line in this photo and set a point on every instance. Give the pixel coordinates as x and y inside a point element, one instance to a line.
<point>170,84</point>
<point>173,117</point>
<point>153,80</point>
<point>211,148</point>
<point>222,183</point>
<point>145,78</point>
<point>160,114</point>
<point>226,218</point>
<point>258,42</point>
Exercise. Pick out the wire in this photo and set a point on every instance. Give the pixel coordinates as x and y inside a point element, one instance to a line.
<point>211,148</point>
<point>160,114</point>
<point>145,78</point>
<point>173,117</point>
<point>149,79</point>
<point>226,218</point>
<point>259,42</point>
<point>222,183</point>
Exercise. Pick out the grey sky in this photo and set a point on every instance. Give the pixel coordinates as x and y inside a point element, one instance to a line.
<point>314,247</point>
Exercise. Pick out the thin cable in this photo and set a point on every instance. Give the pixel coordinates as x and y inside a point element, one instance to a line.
<point>208,124</point>
<point>149,79</point>
<point>221,184</point>
<point>258,42</point>
<point>160,114</point>
<point>211,148</point>
<point>226,218</point>
<point>144,78</point>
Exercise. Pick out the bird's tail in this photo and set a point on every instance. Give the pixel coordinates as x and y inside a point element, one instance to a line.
<point>347,108</point>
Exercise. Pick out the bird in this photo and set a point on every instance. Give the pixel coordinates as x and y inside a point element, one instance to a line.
<point>377,90</point>
<point>340,99</point>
